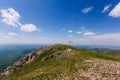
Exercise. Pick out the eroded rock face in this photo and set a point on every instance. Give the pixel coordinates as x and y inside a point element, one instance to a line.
<point>24,60</point>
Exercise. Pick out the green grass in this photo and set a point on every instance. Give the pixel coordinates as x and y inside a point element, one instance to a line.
<point>56,66</point>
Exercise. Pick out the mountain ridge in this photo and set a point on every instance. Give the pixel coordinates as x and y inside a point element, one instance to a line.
<point>30,66</point>
<point>25,59</point>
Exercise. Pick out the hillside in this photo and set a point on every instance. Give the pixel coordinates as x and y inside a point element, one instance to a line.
<point>108,51</point>
<point>62,62</point>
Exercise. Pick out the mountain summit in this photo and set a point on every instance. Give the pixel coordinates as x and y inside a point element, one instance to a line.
<point>63,62</point>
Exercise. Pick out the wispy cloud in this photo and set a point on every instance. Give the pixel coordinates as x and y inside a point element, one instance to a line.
<point>70,31</point>
<point>12,34</point>
<point>99,39</point>
<point>86,10</point>
<point>115,11</point>
<point>85,32</point>
<point>89,33</point>
<point>12,18</point>
<point>106,8</point>
<point>107,36</point>
<point>8,35</point>
<point>78,32</point>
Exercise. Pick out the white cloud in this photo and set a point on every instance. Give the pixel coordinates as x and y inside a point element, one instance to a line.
<point>106,8</point>
<point>115,11</point>
<point>89,33</point>
<point>78,32</point>
<point>86,10</point>
<point>28,28</point>
<point>12,34</point>
<point>10,17</point>
<point>70,31</point>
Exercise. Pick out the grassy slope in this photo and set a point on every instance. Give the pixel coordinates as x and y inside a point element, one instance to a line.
<point>56,66</point>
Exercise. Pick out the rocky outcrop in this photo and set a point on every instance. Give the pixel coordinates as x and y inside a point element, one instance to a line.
<point>24,60</point>
<point>97,69</point>
<point>101,70</point>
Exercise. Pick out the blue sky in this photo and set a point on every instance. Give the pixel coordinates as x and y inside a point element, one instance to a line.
<point>86,22</point>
